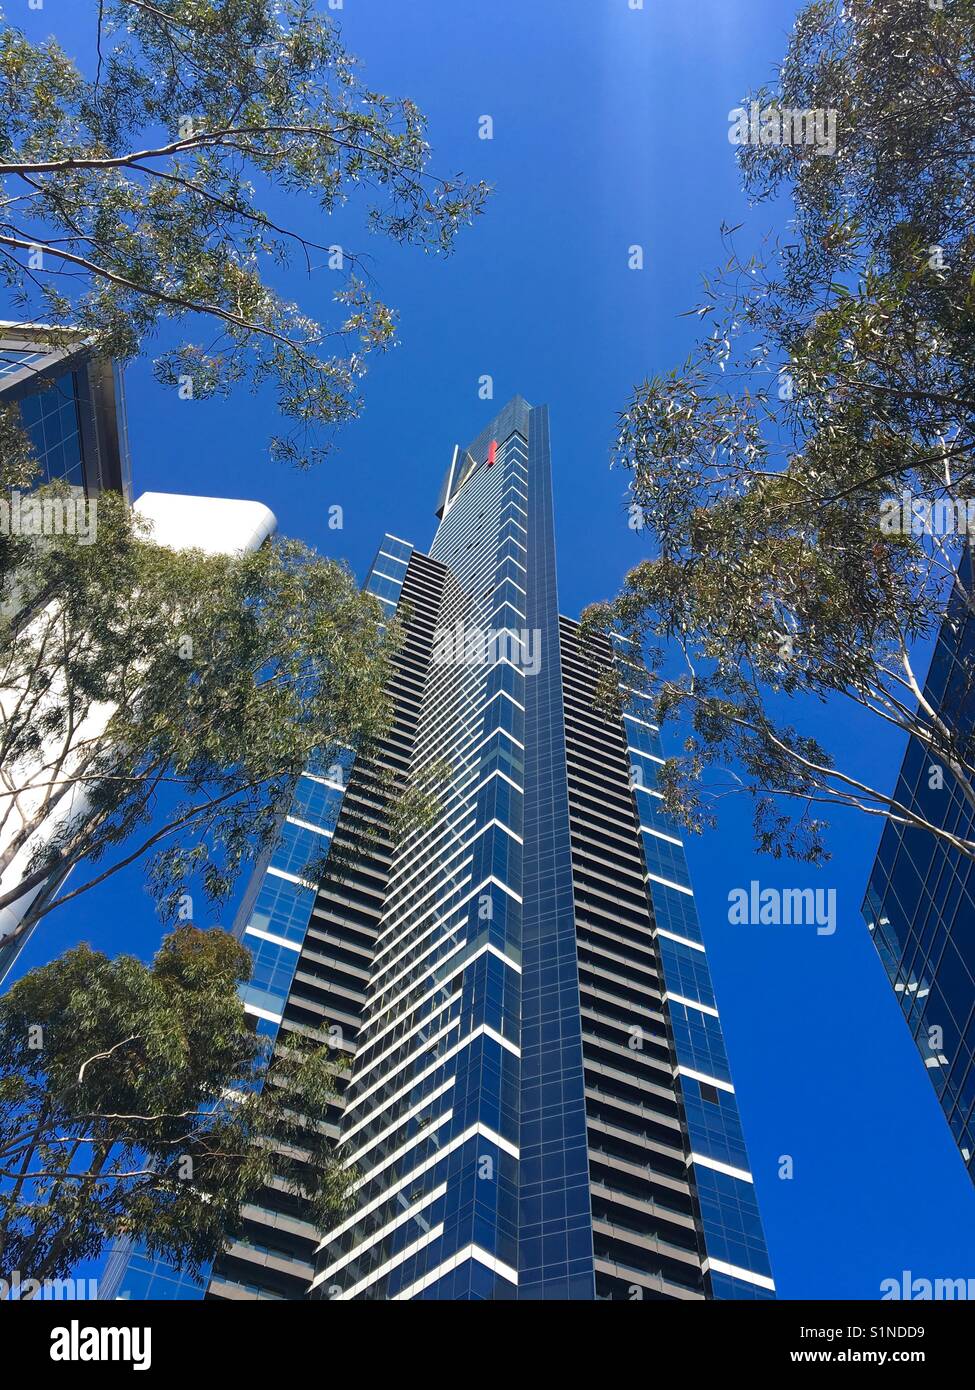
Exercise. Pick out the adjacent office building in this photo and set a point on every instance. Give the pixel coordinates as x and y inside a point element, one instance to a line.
<point>538,1102</point>
<point>920,903</point>
<point>71,403</point>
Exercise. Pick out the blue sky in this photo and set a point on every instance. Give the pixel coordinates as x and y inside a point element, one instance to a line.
<point>610,129</point>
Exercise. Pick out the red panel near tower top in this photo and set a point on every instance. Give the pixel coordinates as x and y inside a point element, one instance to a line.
<point>492,452</point>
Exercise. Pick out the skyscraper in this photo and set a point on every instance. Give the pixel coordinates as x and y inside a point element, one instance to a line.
<point>538,1103</point>
<point>71,403</point>
<point>920,902</point>
<point>71,407</point>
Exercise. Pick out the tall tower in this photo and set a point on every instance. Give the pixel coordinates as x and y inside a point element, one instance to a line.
<point>538,1103</point>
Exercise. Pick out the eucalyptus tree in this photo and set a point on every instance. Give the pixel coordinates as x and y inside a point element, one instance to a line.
<point>137,1104</point>
<point>170,182</point>
<point>181,694</point>
<point>805,477</point>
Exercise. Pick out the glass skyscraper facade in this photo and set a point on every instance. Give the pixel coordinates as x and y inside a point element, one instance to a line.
<point>311,946</point>
<point>71,404</point>
<point>920,902</point>
<point>538,1103</point>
